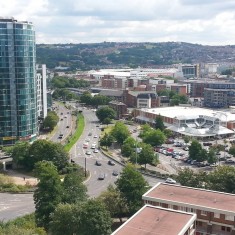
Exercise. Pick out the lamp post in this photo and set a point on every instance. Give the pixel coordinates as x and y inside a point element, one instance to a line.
<point>85,166</point>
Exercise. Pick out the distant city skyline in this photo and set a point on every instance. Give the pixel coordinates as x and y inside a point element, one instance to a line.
<point>207,22</point>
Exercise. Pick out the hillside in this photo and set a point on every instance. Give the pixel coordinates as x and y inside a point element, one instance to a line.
<point>111,54</point>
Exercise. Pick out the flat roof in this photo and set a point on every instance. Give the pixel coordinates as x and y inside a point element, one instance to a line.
<point>185,196</point>
<point>152,220</point>
<point>179,111</point>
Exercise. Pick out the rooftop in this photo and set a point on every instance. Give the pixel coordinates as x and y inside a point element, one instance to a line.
<point>179,111</point>
<point>156,221</point>
<point>199,198</point>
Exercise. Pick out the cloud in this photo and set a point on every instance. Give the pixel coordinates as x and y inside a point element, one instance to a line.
<point>197,21</point>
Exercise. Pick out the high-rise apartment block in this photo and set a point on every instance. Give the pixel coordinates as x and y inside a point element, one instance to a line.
<point>18,88</point>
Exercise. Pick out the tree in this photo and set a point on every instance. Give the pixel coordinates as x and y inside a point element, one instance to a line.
<point>65,219</point>
<point>106,140</point>
<point>86,98</point>
<point>48,193</point>
<point>132,186</point>
<point>159,123</point>
<point>128,147</point>
<point>186,139</point>
<point>73,188</point>
<point>154,137</point>
<point>211,157</point>
<point>107,121</point>
<point>146,155</point>
<point>94,219</point>
<point>114,203</point>
<point>20,152</point>
<point>222,179</point>
<point>120,132</point>
<point>100,100</point>
<point>195,150</point>
<point>144,130</point>
<point>51,120</point>
<point>168,133</point>
<point>232,150</point>
<point>187,177</point>
<point>105,112</point>
<point>47,150</point>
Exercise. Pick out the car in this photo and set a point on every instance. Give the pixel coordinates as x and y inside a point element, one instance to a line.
<point>61,113</point>
<point>97,125</point>
<point>88,152</point>
<point>67,126</point>
<point>88,140</point>
<point>229,161</point>
<point>101,176</point>
<point>115,173</point>
<point>111,163</point>
<point>67,112</point>
<point>90,134</point>
<point>95,136</point>
<point>170,181</point>
<point>96,151</point>
<point>93,146</point>
<point>186,148</point>
<point>65,116</point>
<point>98,163</point>
<point>61,119</point>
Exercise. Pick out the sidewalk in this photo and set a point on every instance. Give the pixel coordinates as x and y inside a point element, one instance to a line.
<point>21,179</point>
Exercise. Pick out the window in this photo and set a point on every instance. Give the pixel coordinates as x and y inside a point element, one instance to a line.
<point>216,215</point>
<point>203,212</point>
<point>229,217</point>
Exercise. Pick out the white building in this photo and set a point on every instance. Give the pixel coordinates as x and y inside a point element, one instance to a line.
<point>42,91</point>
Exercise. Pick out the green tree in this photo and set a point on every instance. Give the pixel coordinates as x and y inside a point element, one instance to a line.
<point>100,100</point>
<point>128,147</point>
<point>114,203</point>
<point>187,177</point>
<point>94,219</point>
<point>120,132</point>
<point>146,156</point>
<point>73,188</point>
<point>47,150</point>
<point>51,120</point>
<point>168,133</point>
<point>232,150</point>
<point>65,220</point>
<point>86,98</point>
<point>105,112</point>
<point>48,193</point>
<point>106,140</point>
<point>20,153</point>
<point>144,130</point>
<point>159,123</point>
<point>195,150</point>
<point>132,186</point>
<point>186,139</point>
<point>211,157</point>
<point>222,179</point>
<point>154,137</point>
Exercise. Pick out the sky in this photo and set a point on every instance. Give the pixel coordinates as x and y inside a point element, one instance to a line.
<point>207,22</point>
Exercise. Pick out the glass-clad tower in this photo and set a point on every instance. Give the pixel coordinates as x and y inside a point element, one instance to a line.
<point>18,111</point>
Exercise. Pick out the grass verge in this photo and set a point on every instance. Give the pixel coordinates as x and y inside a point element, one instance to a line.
<point>74,138</point>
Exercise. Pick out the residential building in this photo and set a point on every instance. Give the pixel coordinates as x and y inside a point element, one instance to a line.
<point>42,91</point>
<point>18,88</point>
<point>189,70</point>
<point>157,220</point>
<point>119,107</point>
<point>215,210</point>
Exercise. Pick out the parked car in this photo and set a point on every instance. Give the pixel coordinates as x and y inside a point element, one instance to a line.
<point>98,163</point>
<point>96,151</point>
<point>111,163</point>
<point>101,176</point>
<point>170,181</point>
<point>115,173</point>
<point>90,134</point>
<point>88,152</point>
<point>229,161</point>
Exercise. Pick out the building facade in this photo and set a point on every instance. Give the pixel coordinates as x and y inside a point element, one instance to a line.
<point>18,88</point>
<point>215,210</point>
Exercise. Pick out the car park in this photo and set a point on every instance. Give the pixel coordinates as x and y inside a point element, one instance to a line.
<point>170,181</point>
<point>101,176</point>
<point>98,163</point>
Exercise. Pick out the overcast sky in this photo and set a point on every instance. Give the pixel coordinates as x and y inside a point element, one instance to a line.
<point>208,22</point>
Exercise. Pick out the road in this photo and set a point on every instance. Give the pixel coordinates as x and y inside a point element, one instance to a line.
<point>78,154</point>
<point>14,205</point>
